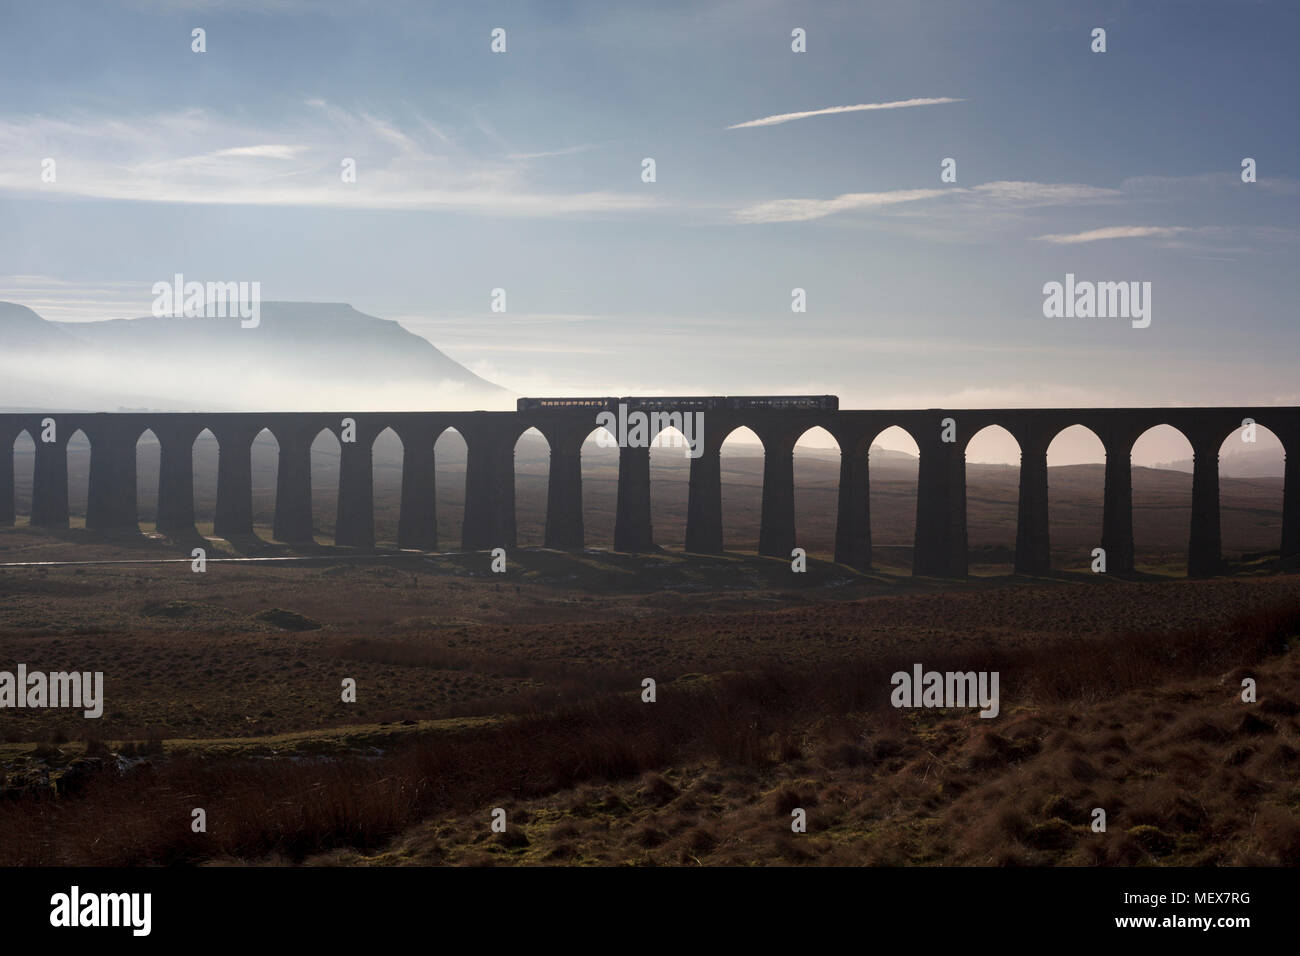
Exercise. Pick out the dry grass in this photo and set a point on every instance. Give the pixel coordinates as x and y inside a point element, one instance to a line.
<point>1137,723</point>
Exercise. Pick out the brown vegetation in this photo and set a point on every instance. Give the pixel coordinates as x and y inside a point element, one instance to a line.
<point>1149,726</point>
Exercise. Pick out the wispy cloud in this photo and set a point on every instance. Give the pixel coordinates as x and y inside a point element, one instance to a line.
<point>546,154</point>
<point>1180,187</point>
<point>1001,195</point>
<point>1016,193</point>
<point>895,105</point>
<point>1117,232</point>
<point>1223,239</point>
<point>802,210</point>
<point>195,156</point>
<point>266,151</point>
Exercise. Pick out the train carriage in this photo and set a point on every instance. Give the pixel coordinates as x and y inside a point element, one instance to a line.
<point>691,403</point>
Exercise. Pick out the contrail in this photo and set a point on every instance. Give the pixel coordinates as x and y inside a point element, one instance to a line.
<point>895,105</point>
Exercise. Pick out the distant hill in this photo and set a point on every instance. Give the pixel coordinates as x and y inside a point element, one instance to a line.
<point>1260,463</point>
<point>302,355</point>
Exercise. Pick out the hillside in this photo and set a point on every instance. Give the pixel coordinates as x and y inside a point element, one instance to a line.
<point>301,356</point>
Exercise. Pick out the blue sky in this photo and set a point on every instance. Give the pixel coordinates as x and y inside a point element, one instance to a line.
<point>522,171</point>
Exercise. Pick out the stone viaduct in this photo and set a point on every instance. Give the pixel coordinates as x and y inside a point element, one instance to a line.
<point>489,521</point>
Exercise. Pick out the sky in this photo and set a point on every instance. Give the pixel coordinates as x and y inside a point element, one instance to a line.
<point>775,170</point>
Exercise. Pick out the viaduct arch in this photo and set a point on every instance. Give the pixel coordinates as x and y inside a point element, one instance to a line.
<point>489,520</point>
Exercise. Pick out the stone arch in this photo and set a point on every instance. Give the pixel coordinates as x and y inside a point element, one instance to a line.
<point>326,465</point>
<point>599,467</point>
<point>743,456</point>
<point>148,472</point>
<point>204,452</point>
<point>817,455</point>
<point>670,480</point>
<point>893,461</point>
<point>23,452</point>
<point>450,457</point>
<point>992,462</point>
<point>264,464</point>
<point>1251,492</point>
<point>1162,498</point>
<point>532,469</point>
<point>1076,463</point>
<point>78,452</point>
<point>387,456</point>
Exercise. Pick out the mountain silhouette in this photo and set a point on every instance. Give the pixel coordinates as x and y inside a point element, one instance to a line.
<point>301,355</point>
